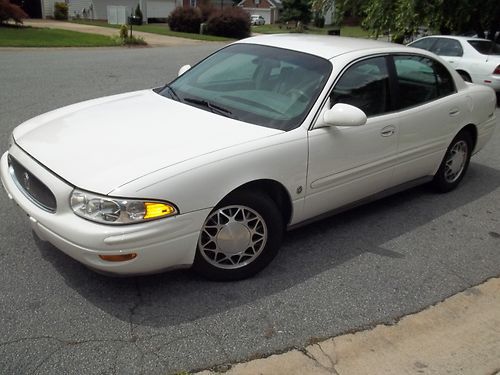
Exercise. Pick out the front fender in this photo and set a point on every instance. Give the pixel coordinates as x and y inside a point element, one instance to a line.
<point>202,182</point>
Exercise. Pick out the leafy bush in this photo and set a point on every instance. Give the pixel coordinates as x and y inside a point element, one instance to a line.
<point>134,41</point>
<point>60,11</point>
<point>123,32</point>
<point>10,11</point>
<point>319,21</point>
<point>127,40</point>
<point>296,10</point>
<point>138,12</point>
<point>185,20</point>
<point>206,9</point>
<point>229,22</point>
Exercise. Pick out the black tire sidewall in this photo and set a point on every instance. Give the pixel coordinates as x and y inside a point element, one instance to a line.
<point>439,181</point>
<point>273,219</point>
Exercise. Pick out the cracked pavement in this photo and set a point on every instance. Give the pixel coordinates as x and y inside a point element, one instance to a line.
<point>370,265</point>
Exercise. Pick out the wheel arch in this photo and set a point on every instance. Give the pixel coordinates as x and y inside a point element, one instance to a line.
<point>464,72</point>
<point>274,190</point>
<point>472,130</point>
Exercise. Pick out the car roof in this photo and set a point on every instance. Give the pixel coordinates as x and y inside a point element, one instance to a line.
<point>325,46</point>
<point>456,37</point>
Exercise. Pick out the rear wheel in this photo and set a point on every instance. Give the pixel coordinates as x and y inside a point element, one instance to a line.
<point>239,238</point>
<point>454,164</point>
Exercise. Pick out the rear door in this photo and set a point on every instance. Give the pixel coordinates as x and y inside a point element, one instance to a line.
<point>429,113</point>
<point>450,50</point>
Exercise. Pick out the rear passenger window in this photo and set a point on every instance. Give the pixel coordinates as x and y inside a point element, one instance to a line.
<point>364,85</point>
<point>447,47</point>
<point>421,80</point>
<point>425,43</point>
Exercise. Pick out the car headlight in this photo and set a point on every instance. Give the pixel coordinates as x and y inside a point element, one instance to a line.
<point>108,210</point>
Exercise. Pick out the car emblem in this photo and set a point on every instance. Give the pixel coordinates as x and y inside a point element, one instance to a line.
<point>26,181</point>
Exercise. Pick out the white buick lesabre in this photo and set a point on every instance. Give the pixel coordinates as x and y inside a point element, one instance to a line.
<point>263,135</point>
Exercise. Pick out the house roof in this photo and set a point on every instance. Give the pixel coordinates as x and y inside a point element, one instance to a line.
<point>273,3</point>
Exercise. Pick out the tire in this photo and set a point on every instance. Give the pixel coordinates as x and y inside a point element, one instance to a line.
<point>465,76</point>
<point>239,238</point>
<point>454,164</point>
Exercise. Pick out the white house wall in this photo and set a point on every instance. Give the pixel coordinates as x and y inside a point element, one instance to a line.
<point>48,8</point>
<point>75,7</point>
<point>101,7</point>
<point>160,8</point>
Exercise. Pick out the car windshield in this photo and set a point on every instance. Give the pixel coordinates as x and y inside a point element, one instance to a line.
<point>485,47</point>
<point>267,86</point>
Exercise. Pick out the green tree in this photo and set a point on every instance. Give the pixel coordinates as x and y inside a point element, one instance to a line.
<point>296,10</point>
<point>403,17</point>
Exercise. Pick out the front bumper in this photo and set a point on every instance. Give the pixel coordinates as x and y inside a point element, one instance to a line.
<point>160,245</point>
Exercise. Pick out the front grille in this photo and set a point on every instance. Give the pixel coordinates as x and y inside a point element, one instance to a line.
<point>34,189</point>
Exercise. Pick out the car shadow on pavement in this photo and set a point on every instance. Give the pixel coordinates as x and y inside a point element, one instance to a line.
<point>181,296</point>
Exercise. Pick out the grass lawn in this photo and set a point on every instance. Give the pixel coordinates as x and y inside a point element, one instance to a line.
<point>353,31</point>
<point>156,28</point>
<point>35,37</point>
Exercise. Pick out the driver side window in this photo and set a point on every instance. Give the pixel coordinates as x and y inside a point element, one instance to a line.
<point>364,85</point>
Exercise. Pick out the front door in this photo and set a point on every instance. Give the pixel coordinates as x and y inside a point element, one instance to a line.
<point>347,164</point>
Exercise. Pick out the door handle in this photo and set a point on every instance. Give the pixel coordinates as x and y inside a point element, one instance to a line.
<point>388,131</point>
<point>454,112</point>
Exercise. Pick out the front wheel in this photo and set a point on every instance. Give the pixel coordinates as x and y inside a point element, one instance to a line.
<point>454,164</point>
<point>239,238</point>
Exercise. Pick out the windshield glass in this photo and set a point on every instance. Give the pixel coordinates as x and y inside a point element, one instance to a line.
<point>262,85</point>
<point>485,47</point>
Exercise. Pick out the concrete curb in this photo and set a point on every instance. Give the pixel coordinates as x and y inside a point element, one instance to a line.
<point>460,335</point>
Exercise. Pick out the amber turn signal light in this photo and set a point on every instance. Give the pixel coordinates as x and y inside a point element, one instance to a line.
<point>118,258</point>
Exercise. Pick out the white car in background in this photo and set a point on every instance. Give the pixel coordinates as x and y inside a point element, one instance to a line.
<point>476,60</point>
<point>264,135</point>
<point>257,20</point>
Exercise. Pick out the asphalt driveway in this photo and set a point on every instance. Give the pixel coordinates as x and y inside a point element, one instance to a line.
<point>370,265</point>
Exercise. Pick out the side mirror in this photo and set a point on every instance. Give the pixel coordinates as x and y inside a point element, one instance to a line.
<point>183,70</point>
<point>342,114</point>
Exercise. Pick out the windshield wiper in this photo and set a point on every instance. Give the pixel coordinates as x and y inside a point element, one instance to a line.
<point>172,93</point>
<point>213,107</point>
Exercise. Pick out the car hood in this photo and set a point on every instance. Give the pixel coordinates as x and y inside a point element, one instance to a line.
<point>102,144</point>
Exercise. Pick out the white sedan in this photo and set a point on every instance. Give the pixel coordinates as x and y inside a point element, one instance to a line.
<point>476,60</point>
<point>257,20</point>
<point>264,135</point>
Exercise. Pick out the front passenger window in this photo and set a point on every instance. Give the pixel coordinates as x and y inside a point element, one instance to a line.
<point>364,85</point>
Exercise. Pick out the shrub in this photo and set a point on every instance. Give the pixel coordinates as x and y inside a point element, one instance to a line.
<point>138,12</point>
<point>185,20</point>
<point>10,11</point>
<point>60,11</point>
<point>206,9</point>
<point>127,40</point>
<point>229,22</point>
<point>319,21</point>
<point>123,32</point>
<point>134,41</point>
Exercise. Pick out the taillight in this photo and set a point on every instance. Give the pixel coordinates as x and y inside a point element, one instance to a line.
<point>497,70</point>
